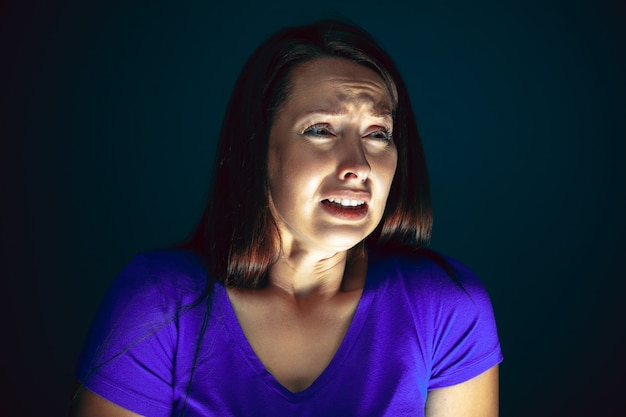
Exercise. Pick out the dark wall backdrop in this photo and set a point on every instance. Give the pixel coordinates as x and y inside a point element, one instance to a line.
<point>110,112</point>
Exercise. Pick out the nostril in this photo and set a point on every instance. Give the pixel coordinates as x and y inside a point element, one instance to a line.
<point>351,175</point>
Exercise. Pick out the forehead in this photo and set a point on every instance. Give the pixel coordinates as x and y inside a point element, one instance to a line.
<point>335,84</point>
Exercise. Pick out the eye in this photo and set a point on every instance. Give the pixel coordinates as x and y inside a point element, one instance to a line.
<point>319,130</point>
<point>382,135</point>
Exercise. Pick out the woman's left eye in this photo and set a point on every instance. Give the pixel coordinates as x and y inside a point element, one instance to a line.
<point>382,135</point>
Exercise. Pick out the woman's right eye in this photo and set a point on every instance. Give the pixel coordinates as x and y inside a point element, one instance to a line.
<point>318,130</point>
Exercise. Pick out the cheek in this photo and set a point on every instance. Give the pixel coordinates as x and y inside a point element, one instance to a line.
<point>303,166</point>
<point>291,180</point>
<point>280,169</point>
<point>273,163</point>
<point>392,174</point>
<point>387,169</point>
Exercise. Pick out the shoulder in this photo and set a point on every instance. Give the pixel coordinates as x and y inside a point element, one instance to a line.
<point>173,274</point>
<point>156,284</point>
<point>130,353</point>
<point>150,293</point>
<point>165,262</point>
<point>450,308</point>
<point>437,289</point>
<point>428,270</point>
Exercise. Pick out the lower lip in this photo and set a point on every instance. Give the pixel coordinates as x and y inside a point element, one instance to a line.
<point>345,213</point>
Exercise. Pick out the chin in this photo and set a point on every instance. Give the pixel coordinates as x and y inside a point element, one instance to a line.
<point>343,241</point>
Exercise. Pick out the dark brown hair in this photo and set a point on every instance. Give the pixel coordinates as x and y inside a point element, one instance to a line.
<point>237,235</point>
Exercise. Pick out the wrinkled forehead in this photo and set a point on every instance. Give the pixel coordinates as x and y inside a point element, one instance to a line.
<point>347,99</point>
<point>337,83</point>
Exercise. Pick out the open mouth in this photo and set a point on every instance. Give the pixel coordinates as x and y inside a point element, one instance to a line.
<point>345,203</point>
<point>346,209</point>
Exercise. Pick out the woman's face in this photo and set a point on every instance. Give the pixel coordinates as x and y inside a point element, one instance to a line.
<point>331,157</point>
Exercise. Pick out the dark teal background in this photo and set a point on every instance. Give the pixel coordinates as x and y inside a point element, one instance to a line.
<point>109,117</point>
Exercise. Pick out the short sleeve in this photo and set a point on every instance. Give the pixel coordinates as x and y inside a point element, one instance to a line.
<point>465,339</point>
<point>130,352</point>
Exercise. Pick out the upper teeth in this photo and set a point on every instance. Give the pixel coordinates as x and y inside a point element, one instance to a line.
<point>346,202</point>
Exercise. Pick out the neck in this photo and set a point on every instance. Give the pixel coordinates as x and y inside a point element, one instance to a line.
<point>301,274</point>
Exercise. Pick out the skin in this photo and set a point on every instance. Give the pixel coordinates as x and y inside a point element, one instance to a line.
<point>330,139</point>
<point>477,397</point>
<point>88,404</point>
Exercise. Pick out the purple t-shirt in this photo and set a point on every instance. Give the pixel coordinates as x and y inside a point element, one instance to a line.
<point>414,330</point>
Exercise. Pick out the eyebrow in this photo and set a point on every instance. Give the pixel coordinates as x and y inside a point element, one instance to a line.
<point>382,113</point>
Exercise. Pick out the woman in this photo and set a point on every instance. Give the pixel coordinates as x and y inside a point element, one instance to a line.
<point>306,289</point>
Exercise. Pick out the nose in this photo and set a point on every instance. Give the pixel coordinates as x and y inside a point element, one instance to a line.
<point>353,163</point>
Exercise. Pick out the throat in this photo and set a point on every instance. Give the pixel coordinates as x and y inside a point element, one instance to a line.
<point>295,347</point>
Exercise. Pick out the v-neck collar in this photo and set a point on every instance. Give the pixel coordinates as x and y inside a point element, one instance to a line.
<point>242,344</point>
